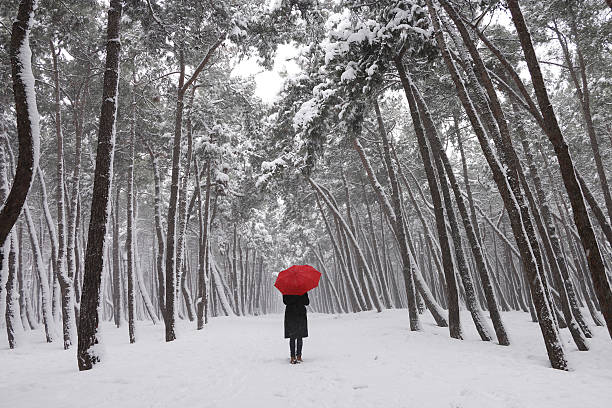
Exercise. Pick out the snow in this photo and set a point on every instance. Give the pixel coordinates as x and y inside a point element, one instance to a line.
<point>274,5</point>
<point>267,166</point>
<point>26,75</point>
<point>350,72</point>
<point>360,360</point>
<point>308,111</point>
<point>222,178</point>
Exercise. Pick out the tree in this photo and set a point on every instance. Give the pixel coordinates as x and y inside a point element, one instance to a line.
<point>553,131</point>
<point>504,182</point>
<point>28,127</point>
<point>88,355</point>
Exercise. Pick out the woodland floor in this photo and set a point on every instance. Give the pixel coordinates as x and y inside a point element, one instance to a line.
<point>360,360</point>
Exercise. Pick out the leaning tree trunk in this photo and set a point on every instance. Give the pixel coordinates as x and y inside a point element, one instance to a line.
<point>583,94</point>
<point>398,224</point>
<point>351,294</point>
<point>447,262</point>
<point>464,274</point>
<point>549,330</point>
<point>566,164</point>
<point>445,167</point>
<point>419,282</point>
<point>350,236</point>
<point>39,267</point>
<point>28,127</point>
<point>556,256</point>
<point>88,354</point>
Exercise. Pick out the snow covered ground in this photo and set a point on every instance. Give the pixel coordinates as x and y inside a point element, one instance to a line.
<point>362,360</point>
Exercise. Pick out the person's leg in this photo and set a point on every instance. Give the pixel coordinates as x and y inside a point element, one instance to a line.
<point>292,346</point>
<point>299,348</point>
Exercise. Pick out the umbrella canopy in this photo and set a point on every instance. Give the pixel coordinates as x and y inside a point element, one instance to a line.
<point>297,280</point>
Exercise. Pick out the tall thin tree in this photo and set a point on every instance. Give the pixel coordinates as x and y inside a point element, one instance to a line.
<point>88,355</point>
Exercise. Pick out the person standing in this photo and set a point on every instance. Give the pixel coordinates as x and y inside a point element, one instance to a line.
<point>296,324</point>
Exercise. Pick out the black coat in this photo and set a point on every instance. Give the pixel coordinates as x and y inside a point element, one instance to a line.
<point>296,324</point>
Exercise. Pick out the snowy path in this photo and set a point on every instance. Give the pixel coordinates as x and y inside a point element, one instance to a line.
<point>363,360</point>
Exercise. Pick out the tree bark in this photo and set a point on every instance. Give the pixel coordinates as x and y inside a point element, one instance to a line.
<point>161,291</point>
<point>129,241</point>
<point>11,294</point>
<point>549,330</point>
<point>116,266</point>
<point>583,94</point>
<point>464,274</point>
<point>28,320</point>
<point>171,282</point>
<point>556,256</point>
<point>397,221</point>
<point>447,262</point>
<point>28,127</point>
<point>73,255</point>
<point>203,246</point>
<point>566,164</point>
<point>65,281</point>
<point>88,354</point>
<point>350,236</point>
<point>444,166</point>
<point>39,267</point>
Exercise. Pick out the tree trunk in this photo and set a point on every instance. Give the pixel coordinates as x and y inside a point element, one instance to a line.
<point>556,256</point>
<point>447,262</point>
<point>349,235</point>
<point>88,354</point>
<point>397,220</point>
<point>161,292</point>
<point>65,281</point>
<point>28,127</point>
<point>73,255</point>
<point>549,331</point>
<point>351,295</point>
<point>441,158</point>
<point>181,271</point>
<point>28,321</point>
<point>118,297</point>
<point>566,164</point>
<point>171,282</point>
<point>11,293</point>
<point>129,240</point>
<point>39,266</point>
<point>466,280</point>
<point>203,245</point>
<point>583,95</point>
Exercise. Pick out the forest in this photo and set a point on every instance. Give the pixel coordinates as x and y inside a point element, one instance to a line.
<point>443,163</point>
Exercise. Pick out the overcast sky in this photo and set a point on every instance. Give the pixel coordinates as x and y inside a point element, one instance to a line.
<point>270,83</point>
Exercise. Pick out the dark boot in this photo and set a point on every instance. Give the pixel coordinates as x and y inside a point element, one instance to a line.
<point>299,358</point>
<point>293,360</point>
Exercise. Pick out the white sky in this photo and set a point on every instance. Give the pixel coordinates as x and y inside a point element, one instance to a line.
<point>270,83</point>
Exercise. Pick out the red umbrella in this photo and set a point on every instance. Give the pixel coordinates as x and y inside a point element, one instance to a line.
<point>297,280</point>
